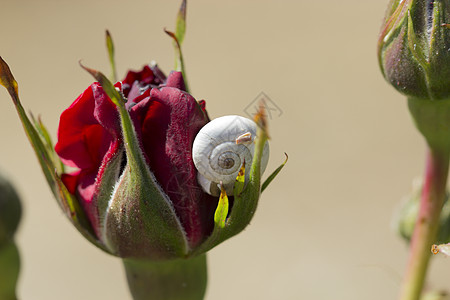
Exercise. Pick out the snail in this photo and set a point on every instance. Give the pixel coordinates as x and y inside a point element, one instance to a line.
<point>219,150</point>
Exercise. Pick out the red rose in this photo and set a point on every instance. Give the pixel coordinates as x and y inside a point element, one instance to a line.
<point>166,120</point>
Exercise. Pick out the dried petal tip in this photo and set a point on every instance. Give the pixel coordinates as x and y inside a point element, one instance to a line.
<point>260,117</point>
<point>8,81</point>
<point>93,72</point>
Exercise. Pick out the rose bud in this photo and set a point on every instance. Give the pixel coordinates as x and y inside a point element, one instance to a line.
<point>413,48</point>
<point>135,191</point>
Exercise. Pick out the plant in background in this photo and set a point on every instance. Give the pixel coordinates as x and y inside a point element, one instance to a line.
<point>10,213</point>
<point>414,56</point>
<point>151,179</point>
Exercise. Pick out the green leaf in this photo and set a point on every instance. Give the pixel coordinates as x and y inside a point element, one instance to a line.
<point>273,175</point>
<point>112,62</point>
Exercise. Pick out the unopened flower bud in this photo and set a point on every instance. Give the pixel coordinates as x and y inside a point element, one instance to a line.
<point>407,215</point>
<point>414,48</point>
<point>10,210</point>
<point>10,213</point>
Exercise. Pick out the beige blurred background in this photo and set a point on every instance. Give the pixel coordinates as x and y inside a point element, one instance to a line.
<point>322,230</point>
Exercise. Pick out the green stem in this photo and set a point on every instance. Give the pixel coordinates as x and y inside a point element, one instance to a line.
<point>181,279</point>
<point>9,270</point>
<point>432,119</point>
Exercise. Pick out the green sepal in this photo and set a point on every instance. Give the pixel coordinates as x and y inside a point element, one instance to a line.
<point>178,38</point>
<point>112,61</point>
<point>67,201</point>
<point>179,279</point>
<point>140,221</point>
<point>48,143</point>
<point>9,270</point>
<point>221,213</point>
<point>439,56</point>
<point>394,20</point>
<point>415,46</point>
<point>245,202</point>
<point>179,61</point>
<point>273,175</point>
<point>76,214</point>
<point>105,190</point>
<point>181,23</point>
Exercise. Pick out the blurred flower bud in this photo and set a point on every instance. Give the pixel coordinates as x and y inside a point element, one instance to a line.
<point>10,213</point>
<point>414,48</point>
<point>435,295</point>
<point>407,215</point>
<point>10,210</point>
<point>9,270</point>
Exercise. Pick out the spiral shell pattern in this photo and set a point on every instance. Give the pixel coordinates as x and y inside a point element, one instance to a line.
<point>219,150</point>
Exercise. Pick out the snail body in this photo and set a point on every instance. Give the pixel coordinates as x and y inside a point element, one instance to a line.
<point>219,150</point>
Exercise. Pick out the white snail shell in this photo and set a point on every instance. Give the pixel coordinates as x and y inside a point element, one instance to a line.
<point>219,150</point>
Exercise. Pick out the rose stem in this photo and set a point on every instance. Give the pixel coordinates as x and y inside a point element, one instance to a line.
<point>427,224</point>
